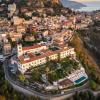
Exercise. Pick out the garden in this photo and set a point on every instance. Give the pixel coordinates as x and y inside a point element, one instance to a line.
<point>53,70</point>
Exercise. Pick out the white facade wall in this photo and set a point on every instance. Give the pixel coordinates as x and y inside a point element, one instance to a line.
<point>20,50</point>
<point>77,74</point>
<point>34,63</point>
<point>67,53</point>
<point>35,49</point>
<point>53,57</point>
<point>43,60</point>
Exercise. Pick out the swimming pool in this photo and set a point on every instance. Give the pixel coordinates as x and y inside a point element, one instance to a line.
<point>80,80</point>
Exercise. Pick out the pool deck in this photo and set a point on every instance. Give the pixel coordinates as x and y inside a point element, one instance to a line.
<point>80,80</point>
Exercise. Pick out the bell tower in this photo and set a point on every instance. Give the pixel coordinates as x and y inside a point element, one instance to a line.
<point>19,50</point>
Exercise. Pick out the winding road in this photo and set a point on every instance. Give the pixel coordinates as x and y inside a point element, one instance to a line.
<point>29,91</point>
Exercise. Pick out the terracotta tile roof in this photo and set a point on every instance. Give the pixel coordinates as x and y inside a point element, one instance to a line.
<point>32,47</point>
<point>68,23</point>
<point>65,82</point>
<point>44,53</point>
<point>32,57</point>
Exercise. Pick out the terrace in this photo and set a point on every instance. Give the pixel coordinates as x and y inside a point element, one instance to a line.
<point>66,68</point>
<point>53,70</point>
<point>54,48</point>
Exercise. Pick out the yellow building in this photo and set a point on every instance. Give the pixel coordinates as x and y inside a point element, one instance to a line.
<point>39,55</point>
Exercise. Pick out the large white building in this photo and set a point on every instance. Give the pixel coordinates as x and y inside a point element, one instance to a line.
<point>39,54</point>
<point>78,76</point>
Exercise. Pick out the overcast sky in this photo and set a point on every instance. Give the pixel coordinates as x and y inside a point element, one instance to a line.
<point>84,0</point>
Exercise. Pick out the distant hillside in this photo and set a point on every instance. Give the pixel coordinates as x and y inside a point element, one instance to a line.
<point>72,4</point>
<point>38,3</point>
<point>41,7</point>
<point>50,3</point>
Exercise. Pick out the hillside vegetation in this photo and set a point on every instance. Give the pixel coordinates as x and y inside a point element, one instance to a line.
<point>86,59</point>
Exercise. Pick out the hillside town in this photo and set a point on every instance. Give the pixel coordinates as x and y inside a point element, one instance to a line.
<point>38,44</point>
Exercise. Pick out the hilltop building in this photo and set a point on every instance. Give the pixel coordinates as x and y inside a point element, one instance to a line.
<point>36,55</point>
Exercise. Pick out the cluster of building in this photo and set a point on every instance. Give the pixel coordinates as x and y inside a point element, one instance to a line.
<point>96,16</point>
<point>83,20</point>
<point>45,23</point>
<point>57,30</point>
<point>54,26</point>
